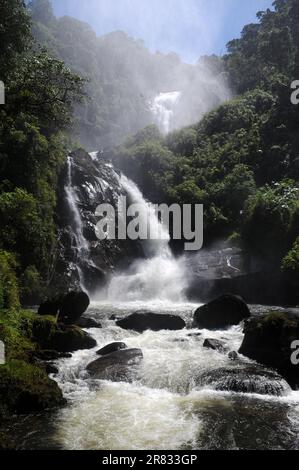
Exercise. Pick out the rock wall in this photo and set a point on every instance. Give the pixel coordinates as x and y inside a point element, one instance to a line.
<point>94,181</point>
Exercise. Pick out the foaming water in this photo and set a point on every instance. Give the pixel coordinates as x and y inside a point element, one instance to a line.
<point>164,408</point>
<point>160,276</point>
<point>127,417</point>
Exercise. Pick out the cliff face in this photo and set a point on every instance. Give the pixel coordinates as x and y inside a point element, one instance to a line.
<point>87,181</point>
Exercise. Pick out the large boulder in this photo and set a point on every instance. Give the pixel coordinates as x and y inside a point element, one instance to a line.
<point>25,388</point>
<point>59,337</point>
<point>143,320</point>
<point>73,305</point>
<point>71,338</point>
<point>69,307</point>
<point>249,378</point>
<point>110,348</point>
<point>49,307</point>
<point>117,366</point>
<point>225,311</point>
<point>269,339</point>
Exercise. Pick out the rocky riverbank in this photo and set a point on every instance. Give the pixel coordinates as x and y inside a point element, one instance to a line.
<point>46,338</point>
<point>32,341</point>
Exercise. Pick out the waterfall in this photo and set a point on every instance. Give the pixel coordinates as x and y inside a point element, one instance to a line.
<point>159,277</point>
<point>163,107</point>
<point>82,243</point>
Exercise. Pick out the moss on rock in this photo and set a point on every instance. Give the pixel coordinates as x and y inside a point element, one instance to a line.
<point>269,339</point>
<point>25,388</point>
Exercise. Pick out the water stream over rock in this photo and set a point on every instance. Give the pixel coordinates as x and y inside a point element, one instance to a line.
<point>182,394</point>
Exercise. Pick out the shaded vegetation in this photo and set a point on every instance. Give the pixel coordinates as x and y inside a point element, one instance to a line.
<point>40,93</point>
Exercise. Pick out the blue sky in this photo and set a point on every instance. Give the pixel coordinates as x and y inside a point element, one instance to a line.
<point>190,28</point>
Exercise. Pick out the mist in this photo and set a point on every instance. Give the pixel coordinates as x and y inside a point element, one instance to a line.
<point>190,28</point>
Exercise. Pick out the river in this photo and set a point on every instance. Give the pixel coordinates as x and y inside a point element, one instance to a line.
<point>162,408</point>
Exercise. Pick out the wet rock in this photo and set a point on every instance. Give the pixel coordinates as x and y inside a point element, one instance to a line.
<point>245,379</point>
<point>143,320</point>
<point>110,348</point>
<point>60,338</point>
<point>242,422</point>
<point>194,335</point>
<point>222,312</point>
<point>233,355</point>
<point>269,339</point>
<point>214,344</point>
<point>95,182</point>
<point>50,355</point>
<point>51,369</point>
<point>117,366</point>
<point>69,308</point>
<point>73,305</point>
<point>70,339</point>
<point>87,323</point>
<point>50,307</point>
<point>114,317</point>
<point>26,388</point>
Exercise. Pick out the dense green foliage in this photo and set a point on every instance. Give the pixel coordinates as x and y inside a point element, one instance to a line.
<point>9,289</point>
<point>267,52</point>
<point>14,34</point>
<point>291,260</point>
<point>241,160</point>
<point>40,92</point>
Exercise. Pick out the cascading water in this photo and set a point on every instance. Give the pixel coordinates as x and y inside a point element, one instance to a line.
<point>167,404</point>
<point>81,242</point>
<point>159,277</point>
<point>163,107</point>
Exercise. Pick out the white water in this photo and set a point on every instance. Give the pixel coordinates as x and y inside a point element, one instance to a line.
<point>163,107</point>
<point>161,276</point>
<point>156,411</point>
<point>164,408</point>
<point>82,244</point>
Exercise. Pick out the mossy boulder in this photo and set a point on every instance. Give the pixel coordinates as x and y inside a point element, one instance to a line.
<point>269,339</point>
<point>25,388</point>
<point>70,338</point>
<point>61,338</point>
